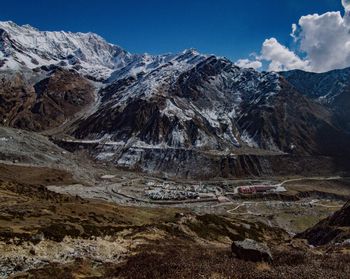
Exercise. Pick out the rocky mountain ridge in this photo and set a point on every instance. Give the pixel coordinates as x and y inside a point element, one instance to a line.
<point>146,111</point>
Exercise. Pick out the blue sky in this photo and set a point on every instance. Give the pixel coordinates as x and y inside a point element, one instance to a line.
<point>228,28</point>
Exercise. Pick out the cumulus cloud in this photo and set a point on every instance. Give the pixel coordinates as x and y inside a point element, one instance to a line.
<point>326,40</point>
<point>280,57</point>
<point>246,63</point>
<point>322,43</point>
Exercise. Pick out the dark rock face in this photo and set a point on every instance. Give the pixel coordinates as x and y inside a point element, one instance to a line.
<point>250,250</point>
<point>340,107</point>
<point>138,116</point>
<point>324,85</point>
<point>334,229</point>
<point>290,122</point>
<point>330,89</point>
<point>342,217</point>
<point>43,105</point>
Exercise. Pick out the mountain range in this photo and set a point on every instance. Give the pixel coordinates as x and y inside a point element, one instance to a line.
<point>185,114</point>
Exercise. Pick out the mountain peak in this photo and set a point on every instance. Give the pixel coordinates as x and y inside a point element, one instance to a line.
<point>88,53</point>
<point>190,51</point>
<point>11,26</point>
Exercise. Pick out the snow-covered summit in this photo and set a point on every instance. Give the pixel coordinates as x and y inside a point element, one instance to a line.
<point>88,53</point>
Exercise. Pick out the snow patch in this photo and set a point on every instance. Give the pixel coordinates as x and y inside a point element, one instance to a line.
<point>246,138</point>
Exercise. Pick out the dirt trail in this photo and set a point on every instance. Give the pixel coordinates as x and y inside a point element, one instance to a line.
<point>309,178</point>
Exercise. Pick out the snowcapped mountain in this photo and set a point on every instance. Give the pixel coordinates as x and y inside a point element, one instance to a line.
<point>160,112</point>
<point>88,53</point>
<point>190,102</point>
<point>207,103</point>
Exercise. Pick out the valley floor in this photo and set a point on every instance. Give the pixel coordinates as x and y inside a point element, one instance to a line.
<point>65,216</point>
<point>44,234</point>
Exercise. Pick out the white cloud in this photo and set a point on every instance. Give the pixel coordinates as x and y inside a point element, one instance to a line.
<point>294,31</point>
<point>324,41</point>
<point>346,4</point>
<point>280,57</point>
<point>246,63</point>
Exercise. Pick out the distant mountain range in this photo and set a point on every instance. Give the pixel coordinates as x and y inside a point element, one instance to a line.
<point>184,114</point>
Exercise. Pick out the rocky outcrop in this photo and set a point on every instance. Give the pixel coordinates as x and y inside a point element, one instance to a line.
<point>334,229</point>
<point>250,250</point>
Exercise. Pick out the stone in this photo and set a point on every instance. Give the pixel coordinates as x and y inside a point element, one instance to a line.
<point>251,250</point>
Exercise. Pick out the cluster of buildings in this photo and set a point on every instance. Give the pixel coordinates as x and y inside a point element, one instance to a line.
<point>167,191</point>
<point>172,191</point>
<point>162,194</point>
<point>260,189</point>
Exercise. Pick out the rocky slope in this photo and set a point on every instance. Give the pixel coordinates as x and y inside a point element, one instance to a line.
<point>333,230</point>
<point>322,86</point>
<point>209,104</point>
<point>49,235</point>
<point>44,99</point>
<point>330,89</point>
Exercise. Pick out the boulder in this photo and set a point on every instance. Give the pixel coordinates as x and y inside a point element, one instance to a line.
<point>250,250</point>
